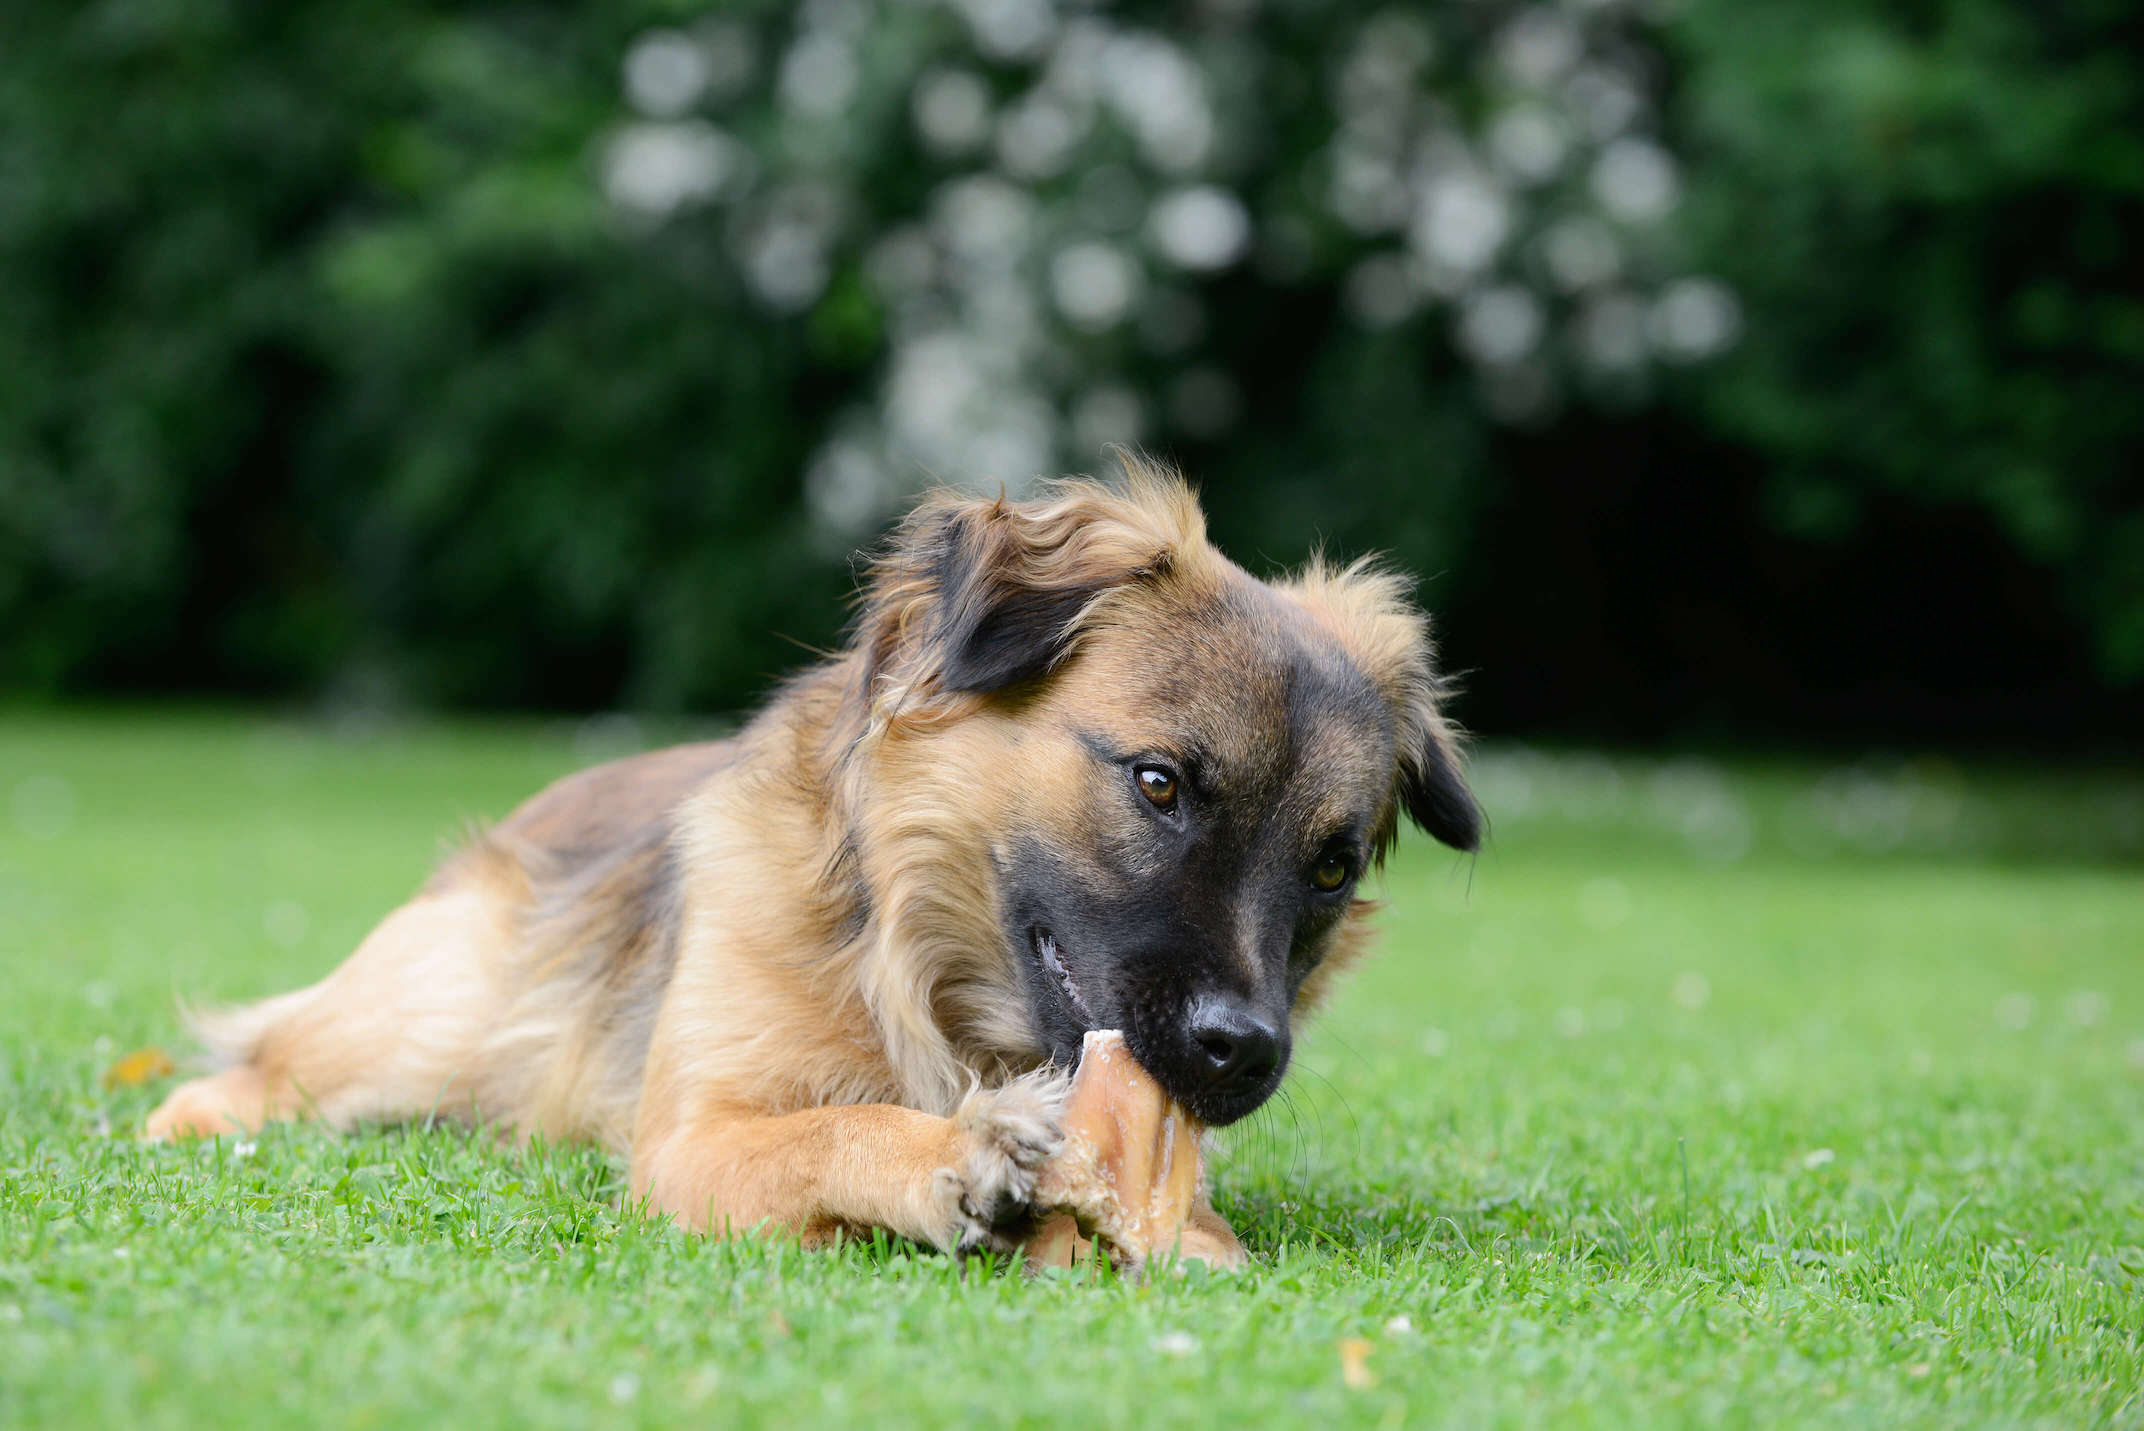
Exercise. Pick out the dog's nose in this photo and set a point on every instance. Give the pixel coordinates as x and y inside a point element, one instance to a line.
<point>1240,1047</point>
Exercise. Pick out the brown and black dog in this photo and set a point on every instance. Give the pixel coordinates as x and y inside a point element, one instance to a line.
<point>1074,770</point>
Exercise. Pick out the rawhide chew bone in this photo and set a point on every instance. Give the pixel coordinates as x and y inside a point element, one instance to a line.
<point>1129,1169</point>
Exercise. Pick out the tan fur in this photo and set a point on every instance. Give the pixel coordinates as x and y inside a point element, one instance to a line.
<point>771,969</point>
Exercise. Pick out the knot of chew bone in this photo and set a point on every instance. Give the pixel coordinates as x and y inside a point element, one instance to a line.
<point>1128,1172</point>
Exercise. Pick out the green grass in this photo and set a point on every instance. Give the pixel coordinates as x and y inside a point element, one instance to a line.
<point>1729,1096</point>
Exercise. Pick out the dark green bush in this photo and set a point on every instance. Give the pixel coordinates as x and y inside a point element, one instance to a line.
<point>1937,213</point>
<point>341,358</point>
<point>328,369</point>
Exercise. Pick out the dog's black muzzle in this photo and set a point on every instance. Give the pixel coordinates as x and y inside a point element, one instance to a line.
<point>1221,1058</point>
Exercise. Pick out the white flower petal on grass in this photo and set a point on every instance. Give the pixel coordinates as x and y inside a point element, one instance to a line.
<point>1176,1344</point>
<point>1817,1158</point>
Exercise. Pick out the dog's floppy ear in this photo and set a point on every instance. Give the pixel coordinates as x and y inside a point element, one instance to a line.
<point>976,596</point>
<point>1370,608</point>
<point>1432,785</point>
<point>1011,588</point>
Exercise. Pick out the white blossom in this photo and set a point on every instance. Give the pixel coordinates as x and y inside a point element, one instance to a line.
<point>952,110</point>
<point>1500,325</point>
<point>1202,227</point>
<point>1634,179</point>
<point>1088,174</point>
<point>1694,318</point>
<point>665,73</point>
<point>1094,284</point>
<point>657,166</point>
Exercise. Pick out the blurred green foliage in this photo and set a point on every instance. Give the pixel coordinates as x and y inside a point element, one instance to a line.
<point>327,370</point>
<point>1937,209</point>
<point>331,368</point>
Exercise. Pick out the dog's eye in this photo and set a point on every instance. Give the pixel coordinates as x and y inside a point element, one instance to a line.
<point>1330,872</point>
<point>1158,784</point>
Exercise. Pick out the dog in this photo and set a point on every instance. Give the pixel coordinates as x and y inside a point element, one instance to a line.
<point>1073,769</point>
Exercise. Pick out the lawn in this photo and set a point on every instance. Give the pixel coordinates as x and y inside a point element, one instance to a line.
<point>1710,1094</point>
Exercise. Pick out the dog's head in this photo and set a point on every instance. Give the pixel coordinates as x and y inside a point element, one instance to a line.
<point>1174,775</point>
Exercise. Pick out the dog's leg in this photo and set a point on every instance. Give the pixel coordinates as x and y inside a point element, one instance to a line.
<point>394,1033</point>
<point>956,1183</point>
<point>237,1100</point>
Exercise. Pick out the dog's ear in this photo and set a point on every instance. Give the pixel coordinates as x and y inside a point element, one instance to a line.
<point>1011,588</point>
<point>976,596</point>
<point>1371,609</point>
<point>1432,784</point>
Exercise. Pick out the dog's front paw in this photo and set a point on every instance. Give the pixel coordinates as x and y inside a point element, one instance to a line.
<point>1005,1136</point>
